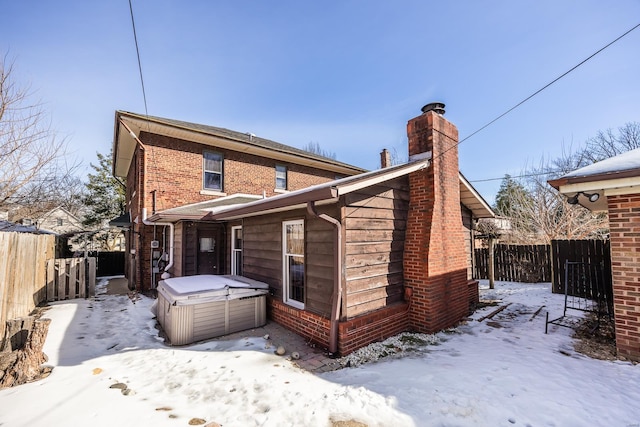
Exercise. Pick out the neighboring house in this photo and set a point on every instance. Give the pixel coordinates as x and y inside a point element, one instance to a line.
<point>59,221</point>
<point>365,254</point>
<point>613,186</point>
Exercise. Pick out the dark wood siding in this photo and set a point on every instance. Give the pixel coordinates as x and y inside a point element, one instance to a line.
<point>190,248</point>
<point>467,223</point>
<point>262,255</point>
<point>178,249</point>
<point>375,223</point>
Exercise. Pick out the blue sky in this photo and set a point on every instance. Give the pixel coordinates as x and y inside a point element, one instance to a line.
<point>345,74</point>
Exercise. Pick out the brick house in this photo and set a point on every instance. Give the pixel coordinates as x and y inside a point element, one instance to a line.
<point>351,257</point>
<point>613,186</point>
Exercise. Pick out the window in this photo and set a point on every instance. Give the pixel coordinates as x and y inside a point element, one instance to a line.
<point>293,262</point>
<point>212,171</point>
<point>207,244</point>
<point>60,222</point>
<point>236,250</point>
<point>281,177</point>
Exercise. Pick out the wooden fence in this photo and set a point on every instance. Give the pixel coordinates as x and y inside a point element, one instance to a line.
<point>23,262</point>
<point>515,263</point>
<point>593,253</point>
<point>109,263</point>
<point>69,278</point>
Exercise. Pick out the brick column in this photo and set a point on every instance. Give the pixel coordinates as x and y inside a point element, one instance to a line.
<point>435,264</point>
<point>624,225</point>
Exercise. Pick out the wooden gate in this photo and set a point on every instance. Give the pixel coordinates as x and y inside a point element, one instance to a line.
<point>590,252</point>
<point>69,278</point>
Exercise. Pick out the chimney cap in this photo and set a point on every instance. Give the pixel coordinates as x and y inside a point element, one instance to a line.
<point>436,107</point>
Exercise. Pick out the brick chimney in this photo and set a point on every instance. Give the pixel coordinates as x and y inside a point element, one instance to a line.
<point>385,158</point>
<point>435,263</point>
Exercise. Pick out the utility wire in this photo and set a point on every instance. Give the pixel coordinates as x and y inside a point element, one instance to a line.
<point>539,90</point>
<point>529,175</point>
<point>144,92</point>
<point>135,38</point>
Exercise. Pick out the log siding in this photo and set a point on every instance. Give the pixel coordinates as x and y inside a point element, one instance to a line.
<point>375,223</point>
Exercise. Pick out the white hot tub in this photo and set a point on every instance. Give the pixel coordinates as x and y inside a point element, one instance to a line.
<point>195,308</point>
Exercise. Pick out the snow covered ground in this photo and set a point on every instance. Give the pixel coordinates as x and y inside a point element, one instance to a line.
<point>499,372</point>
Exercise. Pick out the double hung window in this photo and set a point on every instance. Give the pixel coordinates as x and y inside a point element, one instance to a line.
<point>293,262</point>
<point>212,167</point>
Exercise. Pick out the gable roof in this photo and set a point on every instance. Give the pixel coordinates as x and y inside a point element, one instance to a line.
<point>613,176</point>
<point>124,143</point>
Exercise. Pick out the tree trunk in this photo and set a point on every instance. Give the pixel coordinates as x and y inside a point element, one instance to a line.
<point>27,367</point>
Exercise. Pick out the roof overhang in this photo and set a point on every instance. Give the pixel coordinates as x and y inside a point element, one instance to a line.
<point>202,211</point>
<point>609,184</point>
<point>124,144</point>
<point>326,193</point>
<point>473,200</point>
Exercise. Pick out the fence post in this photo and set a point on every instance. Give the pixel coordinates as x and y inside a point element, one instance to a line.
<point>491,266</point>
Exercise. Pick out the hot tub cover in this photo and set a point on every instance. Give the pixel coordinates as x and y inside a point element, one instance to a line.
<point>208,287</point>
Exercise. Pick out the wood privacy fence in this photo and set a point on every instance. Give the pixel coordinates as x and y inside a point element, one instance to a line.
<point>594,254</point>
<point>109,263</point>
<point>69,278</point>
<point>546,263</point>
<point>515,263</point>
<point>23,263</point>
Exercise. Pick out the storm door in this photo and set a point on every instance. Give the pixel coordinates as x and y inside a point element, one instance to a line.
<point>208,251</point>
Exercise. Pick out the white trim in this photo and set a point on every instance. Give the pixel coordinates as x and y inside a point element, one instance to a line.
<point>604,184</point>
<point>280,191</point>
<point>234,270</point>
<point>354,186</point>
<point>285,270</point>
<point>622,191</point>
<point>212,193</point>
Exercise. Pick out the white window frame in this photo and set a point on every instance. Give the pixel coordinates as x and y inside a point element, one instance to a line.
<point>205,171</point>
<point>285,178</point>
<point>235,250</point>
<point>286,297</point>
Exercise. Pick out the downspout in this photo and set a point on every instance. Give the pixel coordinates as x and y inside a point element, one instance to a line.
<point>337,280</point>
<point>144,210</point>
<point>171,236</point>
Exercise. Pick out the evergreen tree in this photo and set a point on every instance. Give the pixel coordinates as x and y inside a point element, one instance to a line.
<point>104,200</point>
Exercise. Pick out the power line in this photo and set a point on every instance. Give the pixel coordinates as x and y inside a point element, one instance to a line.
<point>529,175</point>
<point>539,90</point>
<point>135,38</point>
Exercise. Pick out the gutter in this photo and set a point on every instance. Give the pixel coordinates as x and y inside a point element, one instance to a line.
<point>336,297</point>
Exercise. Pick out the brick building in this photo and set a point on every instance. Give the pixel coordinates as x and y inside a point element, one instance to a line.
<point>613,186</point>
<point>351,257</point>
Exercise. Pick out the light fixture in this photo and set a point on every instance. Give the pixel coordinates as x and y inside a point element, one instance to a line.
<point>593,197</point>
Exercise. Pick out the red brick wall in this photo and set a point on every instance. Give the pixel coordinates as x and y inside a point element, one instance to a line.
<point>174,169</point>
<point>311,326</point>
<point>624,225</point>
<point>352,334</point>
<point>372,327</point>
<point>435,261</point>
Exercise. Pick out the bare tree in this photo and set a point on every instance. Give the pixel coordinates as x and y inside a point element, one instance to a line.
<point>32,156</point>
<point>538,213</point>
<point>608,143</point>
<point>314,148</point>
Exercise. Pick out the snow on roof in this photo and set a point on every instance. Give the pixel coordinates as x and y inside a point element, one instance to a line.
<point>622,162</point>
